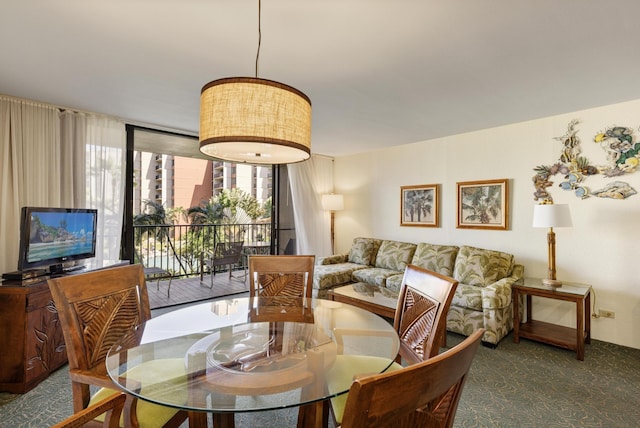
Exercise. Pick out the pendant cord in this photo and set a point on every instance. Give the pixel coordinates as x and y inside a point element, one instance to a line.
<point>259,35</point>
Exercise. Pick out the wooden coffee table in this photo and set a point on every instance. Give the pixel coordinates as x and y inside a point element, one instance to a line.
<point>366,297</point>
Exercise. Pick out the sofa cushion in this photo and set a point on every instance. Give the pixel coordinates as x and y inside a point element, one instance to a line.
<point>329,276</point>
<point>394,282</point>
<point>363,251</point>
<point>480,267</point>
<point>394,255</point>
<point>436,258</point>
<point>374,276</point>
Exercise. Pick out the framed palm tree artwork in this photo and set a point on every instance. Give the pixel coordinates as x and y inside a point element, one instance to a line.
<point>483,204</point>
<point>420,205</point>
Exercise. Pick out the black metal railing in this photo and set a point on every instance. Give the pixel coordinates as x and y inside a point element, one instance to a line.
<point>179,248</point>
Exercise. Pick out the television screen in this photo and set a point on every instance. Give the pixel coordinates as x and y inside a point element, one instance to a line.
<point>53,236</point>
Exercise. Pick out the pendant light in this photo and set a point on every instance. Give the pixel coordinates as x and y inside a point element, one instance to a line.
<point>253,120</point>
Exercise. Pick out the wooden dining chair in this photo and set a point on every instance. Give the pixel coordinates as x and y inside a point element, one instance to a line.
<point>284,276</point>
<point>420,321</point>
<point>111,406</point>
<point>97,309</point>
<point>421,315</point>
<point>422,395</point>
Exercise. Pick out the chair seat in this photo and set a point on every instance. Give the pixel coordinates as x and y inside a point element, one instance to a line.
<point>341,376</point>
<point>150,415</point>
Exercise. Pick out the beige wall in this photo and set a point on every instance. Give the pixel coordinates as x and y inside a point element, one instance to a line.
<point>602,248</point>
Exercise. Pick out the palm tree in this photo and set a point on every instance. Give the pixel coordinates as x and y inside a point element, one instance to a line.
<point>417,203</point>
<point>223,218</point>
<point>156,218</point>
<point>237,198</point>
<point>177,214</point>
<point>210,212</point>
<point>483,202</point>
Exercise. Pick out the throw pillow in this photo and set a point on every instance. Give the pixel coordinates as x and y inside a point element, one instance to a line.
<point>362,251</point>
<point>480,267</point>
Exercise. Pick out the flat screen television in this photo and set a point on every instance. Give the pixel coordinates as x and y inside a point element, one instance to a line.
<point>52,237</point>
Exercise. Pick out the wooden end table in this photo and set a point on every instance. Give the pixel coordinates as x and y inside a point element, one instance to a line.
<point>552,334</point>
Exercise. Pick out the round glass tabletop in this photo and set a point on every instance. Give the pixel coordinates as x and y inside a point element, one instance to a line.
<point>242,354</point>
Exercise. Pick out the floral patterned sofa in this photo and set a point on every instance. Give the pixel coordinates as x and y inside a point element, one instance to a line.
<point>482,298</point>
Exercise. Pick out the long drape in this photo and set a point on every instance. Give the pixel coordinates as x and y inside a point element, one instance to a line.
<point>309,181</point>
<point>105,181</point>
<point>47,158</point>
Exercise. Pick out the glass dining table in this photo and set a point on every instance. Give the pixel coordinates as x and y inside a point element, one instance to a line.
<point>250,354</point>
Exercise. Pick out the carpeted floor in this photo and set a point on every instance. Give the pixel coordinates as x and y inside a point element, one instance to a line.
<point>525,385</point>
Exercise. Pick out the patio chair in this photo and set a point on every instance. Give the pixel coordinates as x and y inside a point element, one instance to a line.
<point>224,254</point>
<point>156,273</point>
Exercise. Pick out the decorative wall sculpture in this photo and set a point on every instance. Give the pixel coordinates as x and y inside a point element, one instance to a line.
<point>622,154</point>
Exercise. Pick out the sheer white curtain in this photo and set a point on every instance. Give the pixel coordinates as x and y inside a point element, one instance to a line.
<point>43,163</point>
<point>105,180</point>
<point>309,181</point>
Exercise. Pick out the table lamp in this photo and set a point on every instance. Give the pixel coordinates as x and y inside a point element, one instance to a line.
<point>551,215</point>
<point>332,203</point>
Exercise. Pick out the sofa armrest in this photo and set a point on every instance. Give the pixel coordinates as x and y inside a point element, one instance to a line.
<point>332,260</point>
<point>498,294</point>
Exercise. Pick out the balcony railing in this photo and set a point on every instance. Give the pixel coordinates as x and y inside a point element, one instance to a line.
<point>178,248</point>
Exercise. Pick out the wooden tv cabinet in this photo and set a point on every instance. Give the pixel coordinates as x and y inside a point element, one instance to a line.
<point>32,344</point>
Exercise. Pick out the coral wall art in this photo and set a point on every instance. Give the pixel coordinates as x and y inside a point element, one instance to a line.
<point>622,153</point>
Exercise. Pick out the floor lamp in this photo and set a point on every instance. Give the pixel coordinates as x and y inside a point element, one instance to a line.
<point>551,215</point>
<point>332,203</point>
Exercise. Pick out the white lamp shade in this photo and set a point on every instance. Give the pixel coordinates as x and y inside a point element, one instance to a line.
<point>551,215</point>
<point>332,202</point>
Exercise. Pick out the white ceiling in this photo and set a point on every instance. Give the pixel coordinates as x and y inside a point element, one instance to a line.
<point>379,73</point>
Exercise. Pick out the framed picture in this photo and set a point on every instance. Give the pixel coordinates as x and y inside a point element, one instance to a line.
<point>483,204</point>
<point>419,205</point>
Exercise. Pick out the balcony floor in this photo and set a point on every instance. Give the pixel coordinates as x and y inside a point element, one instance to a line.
<point>186,290</point>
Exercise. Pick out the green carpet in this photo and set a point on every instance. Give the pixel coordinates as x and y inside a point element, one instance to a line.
<point>525,385</point>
